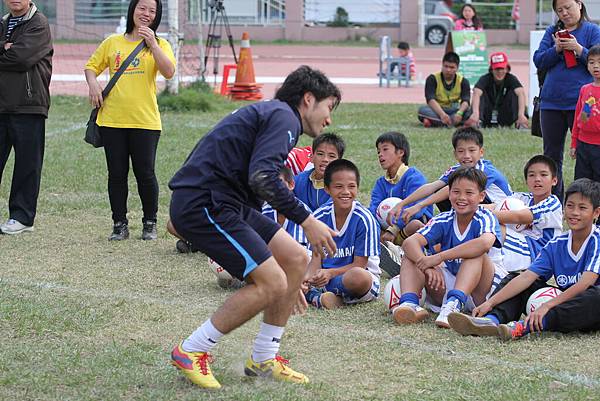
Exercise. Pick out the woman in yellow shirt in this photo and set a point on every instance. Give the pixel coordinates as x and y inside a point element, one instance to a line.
<point>129,119</point>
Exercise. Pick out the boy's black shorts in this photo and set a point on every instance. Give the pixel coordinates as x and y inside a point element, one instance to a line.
<point>232,234</point>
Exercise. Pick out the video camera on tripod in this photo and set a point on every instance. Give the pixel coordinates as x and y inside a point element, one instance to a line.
<point>213,40</point>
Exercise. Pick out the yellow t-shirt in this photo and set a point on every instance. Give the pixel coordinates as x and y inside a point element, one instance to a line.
<point>132,101</point>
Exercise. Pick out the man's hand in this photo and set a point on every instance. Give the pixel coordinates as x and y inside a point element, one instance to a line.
<point>472,121</point>
<point>482,309</point>
<point>573,153</point>
<point>522,121</point>
<point>320,237</point>
<point>7,45</point>
<point>446,119</point>
<point>434,278</point>
<point>457,119</point>
<point>387,236</point>
<point>410,212</point>
<point>321,278</point>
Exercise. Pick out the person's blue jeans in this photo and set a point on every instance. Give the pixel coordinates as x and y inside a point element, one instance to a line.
<point>426,112</point>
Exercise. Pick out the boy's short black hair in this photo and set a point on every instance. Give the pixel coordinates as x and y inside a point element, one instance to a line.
<point>587,188</point>
<point>287,174</point>
<point>332,139</point>
<point>451,57</point>
<point>403,46</point>
<point>541,159</point>
<point>594,51</point>
<point>340,165</point>
<point>398,140</point>
<point>305,79</point>
<point>468,173</point>
<point>467,134</point>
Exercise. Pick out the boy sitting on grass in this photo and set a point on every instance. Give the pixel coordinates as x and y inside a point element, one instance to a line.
<point>468,151</point>
<point>309,184</point>
<point>529,230</point>
<point>351,275</point>
<point>466,261</point>
<point>573,259</point>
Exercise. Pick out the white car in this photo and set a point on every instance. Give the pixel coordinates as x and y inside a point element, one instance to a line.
<point>439,21</point>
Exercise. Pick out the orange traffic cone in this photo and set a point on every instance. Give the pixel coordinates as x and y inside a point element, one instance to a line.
<point>245,86</point>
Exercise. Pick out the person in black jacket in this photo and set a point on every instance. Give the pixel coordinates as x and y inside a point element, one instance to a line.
<point>216,203</point>
<point>25,70</point>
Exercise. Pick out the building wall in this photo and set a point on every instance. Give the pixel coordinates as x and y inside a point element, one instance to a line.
<point>295,27</point>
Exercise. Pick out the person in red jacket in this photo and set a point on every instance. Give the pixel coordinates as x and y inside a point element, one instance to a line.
<point>585,138</point>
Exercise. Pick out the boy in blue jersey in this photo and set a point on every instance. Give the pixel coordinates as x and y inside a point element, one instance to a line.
<point>393,151</point>
<point>215,205</point>
<point>573,259</point>
<point>351,275</point>
<point>293,229</point>
<point>468,152</point>
<point>466,259</point>
<point>529,230</point>
<point>309,184</point>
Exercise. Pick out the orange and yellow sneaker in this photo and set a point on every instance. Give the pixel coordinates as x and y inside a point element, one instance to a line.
<point>512,330</point>
<point>195,366</point>
<point>277,368</point>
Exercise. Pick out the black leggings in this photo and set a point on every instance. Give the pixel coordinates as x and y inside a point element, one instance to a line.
<point>555,124</point>
<point>119,145</point>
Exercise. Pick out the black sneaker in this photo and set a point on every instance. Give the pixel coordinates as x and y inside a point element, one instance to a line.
<point>149,230</point>
<point>120,232</point>
<point>183,246</point>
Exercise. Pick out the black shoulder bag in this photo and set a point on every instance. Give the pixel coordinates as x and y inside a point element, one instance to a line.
<point>92,132</point>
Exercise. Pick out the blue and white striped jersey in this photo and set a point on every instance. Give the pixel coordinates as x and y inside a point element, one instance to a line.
<point>293,229</point>
<point>557,259</point>
<point>497,186</point>
<point>524,243</point>
<point>443,230</point>
<point>359,236</point>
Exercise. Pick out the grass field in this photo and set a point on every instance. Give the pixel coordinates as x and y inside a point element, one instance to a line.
<point>83,319</point>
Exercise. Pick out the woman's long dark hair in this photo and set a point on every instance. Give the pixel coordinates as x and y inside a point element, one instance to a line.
<point>584,15</point>
<point>154,25</point>
<point>475,19</point>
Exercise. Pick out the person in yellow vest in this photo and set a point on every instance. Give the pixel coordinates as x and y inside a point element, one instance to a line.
<point>447,94</point>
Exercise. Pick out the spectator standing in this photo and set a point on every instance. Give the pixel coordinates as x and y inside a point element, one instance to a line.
<point>129,119</point>
<point>469,20</point>
<point>562,84</point>
<point>25,70</point>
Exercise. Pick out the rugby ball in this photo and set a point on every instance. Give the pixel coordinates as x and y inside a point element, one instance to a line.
<point>392,292</point>
<point>511,203</point>
<point>541,296</point>
<point>224,279</point>
<point>383,209</point>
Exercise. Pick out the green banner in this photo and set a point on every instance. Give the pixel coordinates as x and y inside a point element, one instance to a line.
<point>471,46</point>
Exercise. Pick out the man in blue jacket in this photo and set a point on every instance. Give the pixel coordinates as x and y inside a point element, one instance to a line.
<point>215,206</point>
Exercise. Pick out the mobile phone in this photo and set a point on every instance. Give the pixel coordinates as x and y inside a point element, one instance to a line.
<point>563,34</point>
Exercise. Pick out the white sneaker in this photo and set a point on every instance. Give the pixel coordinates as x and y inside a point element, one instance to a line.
<point>448,308</point>
<point>13,227</point>
<point>408,313</point>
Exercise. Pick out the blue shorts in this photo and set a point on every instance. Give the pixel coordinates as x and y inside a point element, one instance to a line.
<point>232,234</point>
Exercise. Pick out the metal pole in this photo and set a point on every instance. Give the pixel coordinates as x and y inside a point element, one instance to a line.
<point>202,69</point>
<point>173,38</point>
<point>421,22</point>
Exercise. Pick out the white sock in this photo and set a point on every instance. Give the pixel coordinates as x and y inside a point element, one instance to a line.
<point>203,339</point>
<point>267,342</point>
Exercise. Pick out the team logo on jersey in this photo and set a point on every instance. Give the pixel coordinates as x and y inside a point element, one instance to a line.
<point>291,136</point>
<point>564,280</point>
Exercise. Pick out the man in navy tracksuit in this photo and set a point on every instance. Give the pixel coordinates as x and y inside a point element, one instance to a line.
<point>215,206</point>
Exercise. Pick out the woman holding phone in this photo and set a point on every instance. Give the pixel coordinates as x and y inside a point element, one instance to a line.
<point>563,56</point>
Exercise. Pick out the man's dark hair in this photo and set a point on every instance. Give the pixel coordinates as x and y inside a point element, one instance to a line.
<point>332,139</point>
<point>340,165</point>
<point>467,134</point>
<point>403,46</point>
<point>287,174</point>
<point>468,173</point>
<point>154,25</point>
<point>587,188</point>
<point>398,140</point>
<point>304,79</point>
<point>451,57</point>
<point>541,159</point>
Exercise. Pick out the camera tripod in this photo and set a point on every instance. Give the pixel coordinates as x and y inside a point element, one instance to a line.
<point>213,41</point>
